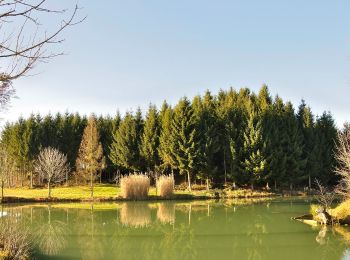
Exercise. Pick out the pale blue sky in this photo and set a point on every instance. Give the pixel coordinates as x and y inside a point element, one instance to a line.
<point>130,53</point>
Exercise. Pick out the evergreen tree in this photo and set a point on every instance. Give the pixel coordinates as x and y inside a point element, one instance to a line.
<point>90,155</point>
<point>296,161</point>
<point>150,139</point>
<point>124,150</point>
<point>310,150</point>
<point>209,145</point>
<point>276,143</point>
<point>326,133</point>
<point>185,147</point>
<point>139,133</point>
<point>165,142</point>
<point>255,162</point>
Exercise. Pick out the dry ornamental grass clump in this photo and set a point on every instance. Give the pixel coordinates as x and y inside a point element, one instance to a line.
<point>15,242</point>
<point>135,186</point>
<point>165,186</point>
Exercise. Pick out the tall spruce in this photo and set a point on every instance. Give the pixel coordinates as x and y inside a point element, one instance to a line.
<point>296,160</point>
<point>165,142</point>
<point>124,150</point>
<point>306,122</point>
<point>255,163</point>
<point>204,110</point>
<point>150,139</point>
<point>185,147</point>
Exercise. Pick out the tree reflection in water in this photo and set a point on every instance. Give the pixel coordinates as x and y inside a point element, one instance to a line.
<point>90,233</point>
<point>175,230</point>
<point>50,237</point>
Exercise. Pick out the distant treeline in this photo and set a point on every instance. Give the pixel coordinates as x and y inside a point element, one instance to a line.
<point>234,136</point>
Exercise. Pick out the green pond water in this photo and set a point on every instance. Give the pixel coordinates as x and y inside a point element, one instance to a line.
<point>178,230</point>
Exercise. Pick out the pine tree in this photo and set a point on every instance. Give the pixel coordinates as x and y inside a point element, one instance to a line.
<point>165,142</point>
<point>276,143</point>
<point>326,133</point>
<point>209,145</point>
<point>150,139</point>
<point>139,133</point>
<point>90,155</point>
<point>185,147</point>
<point>306,125</point>
<point>296,160</point>
<point>124,150</point>
<point>255,162</point>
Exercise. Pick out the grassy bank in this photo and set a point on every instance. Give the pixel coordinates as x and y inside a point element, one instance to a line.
<point>107,192</point>
<point>342,211</point>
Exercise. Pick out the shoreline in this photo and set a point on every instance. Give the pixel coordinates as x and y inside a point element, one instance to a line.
<point>177,197</point>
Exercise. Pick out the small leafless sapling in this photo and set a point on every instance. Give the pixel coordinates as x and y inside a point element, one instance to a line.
<point>52,166</point>
<point>324,197</point>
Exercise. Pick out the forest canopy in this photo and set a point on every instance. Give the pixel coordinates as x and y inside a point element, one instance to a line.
<point>239,137</point>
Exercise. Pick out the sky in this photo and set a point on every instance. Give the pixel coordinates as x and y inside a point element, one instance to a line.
<point>132,53</point>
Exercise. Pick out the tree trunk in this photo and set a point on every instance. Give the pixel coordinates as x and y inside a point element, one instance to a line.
<point>275,185</point>
<point>49,189</point>
<point>189,181</point>
<point>172,175</point>
<point>207,184</point>
<point>309,182</point>
<point>91,185</point>
<point>67,178</point>
<point>225,165</point>
<point>2,191</point>
<point>31,179</point>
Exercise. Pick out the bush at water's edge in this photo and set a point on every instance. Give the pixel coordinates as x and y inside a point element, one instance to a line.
<point>342,212</point>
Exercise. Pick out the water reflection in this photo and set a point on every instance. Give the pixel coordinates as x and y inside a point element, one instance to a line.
<point>173,230</point>
<point>321,236</point>
<point>51,235</point>
<point>166,213</point>
<point>135,214</point>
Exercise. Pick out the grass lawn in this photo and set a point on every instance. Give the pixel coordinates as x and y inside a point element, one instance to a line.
<point>101,191</point>
<point>74,192</point>
<point>110,191</point>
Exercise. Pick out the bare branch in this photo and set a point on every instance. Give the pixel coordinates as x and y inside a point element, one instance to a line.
<point>52,166</point>
<point>325,197</point>
<point>343,158</point>
<point>25,42</point>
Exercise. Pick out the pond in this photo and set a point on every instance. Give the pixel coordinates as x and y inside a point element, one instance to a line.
<point>240,229</point>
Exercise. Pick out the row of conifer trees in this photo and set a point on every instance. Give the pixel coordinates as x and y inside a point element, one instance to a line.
<point>235,136</point>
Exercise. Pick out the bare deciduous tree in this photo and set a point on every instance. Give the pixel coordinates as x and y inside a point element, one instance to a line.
<point>24,41</point>
<point>343,158</point>
<point>52,166</point>
<point>324,197</point>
